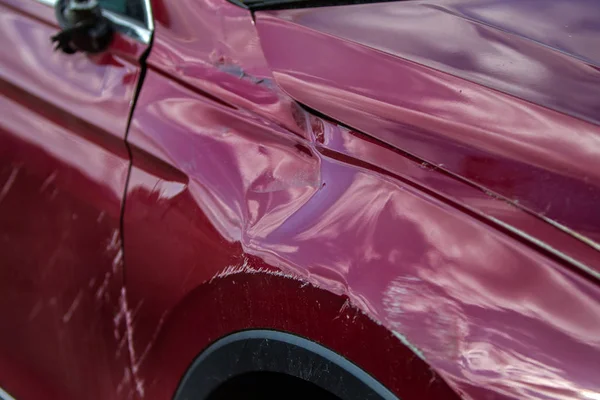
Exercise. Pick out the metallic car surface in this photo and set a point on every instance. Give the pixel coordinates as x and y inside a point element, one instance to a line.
<point>482,310</point>
<point>246,211</point>
<point>394,240</point>
<point>461,90</point>
<point>63,172</point>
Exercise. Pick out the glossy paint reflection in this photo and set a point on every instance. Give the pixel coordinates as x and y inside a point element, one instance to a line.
<point>221,57</point>
<point>61,260</point>
<point>248,179</point>
<point>513,148</point>
<point>213,46</point>
<point>96,86</point>
<point>218,195</point>
<point>542,52</point>
<point>63,170</point>
<point>344,144</point>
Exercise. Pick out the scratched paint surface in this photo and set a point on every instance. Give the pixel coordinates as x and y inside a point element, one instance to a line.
<point>483,310</point>
<point>63,168</point>
<point>248,212</point>
<point>61,263</point>
<point>223,57</point>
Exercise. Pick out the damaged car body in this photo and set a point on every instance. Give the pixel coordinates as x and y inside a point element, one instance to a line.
<point>217,199</point>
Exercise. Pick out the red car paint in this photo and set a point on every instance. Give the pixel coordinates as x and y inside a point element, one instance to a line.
<point>244,210</point>
<point>63,173</point>
<point>513,145</point>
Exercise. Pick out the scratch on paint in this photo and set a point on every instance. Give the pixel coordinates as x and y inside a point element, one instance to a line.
<point>408,344</point>
<point>115,241</point>
<point>9,182</point>
<point>69,314</point>
<point>345,306</point>
<point>117,261</point>
<point>104,286</point>
<point>48,181</point>
<point>125,314</point>
<point>121,344</point>
<point>549,248</point>
<point>161,321</point>
<point>245,268</point>
<point>35,310</point>
<point>100,217</point>
<point>433,377</point>
<point>126,379</point>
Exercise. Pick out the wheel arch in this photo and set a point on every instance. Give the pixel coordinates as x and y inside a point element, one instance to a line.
<point>263,350</point>
<point>323,323</point>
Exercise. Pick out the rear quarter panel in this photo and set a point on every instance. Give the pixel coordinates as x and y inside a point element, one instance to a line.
<point>236,225</point>
<point>247,212</point>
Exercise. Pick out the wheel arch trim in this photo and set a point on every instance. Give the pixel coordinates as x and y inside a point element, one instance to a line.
<point>274,351</point>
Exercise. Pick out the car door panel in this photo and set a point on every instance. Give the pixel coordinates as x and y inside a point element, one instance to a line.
<point>63,172</point>
<point>59,218</point>
<point>97,89</point>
